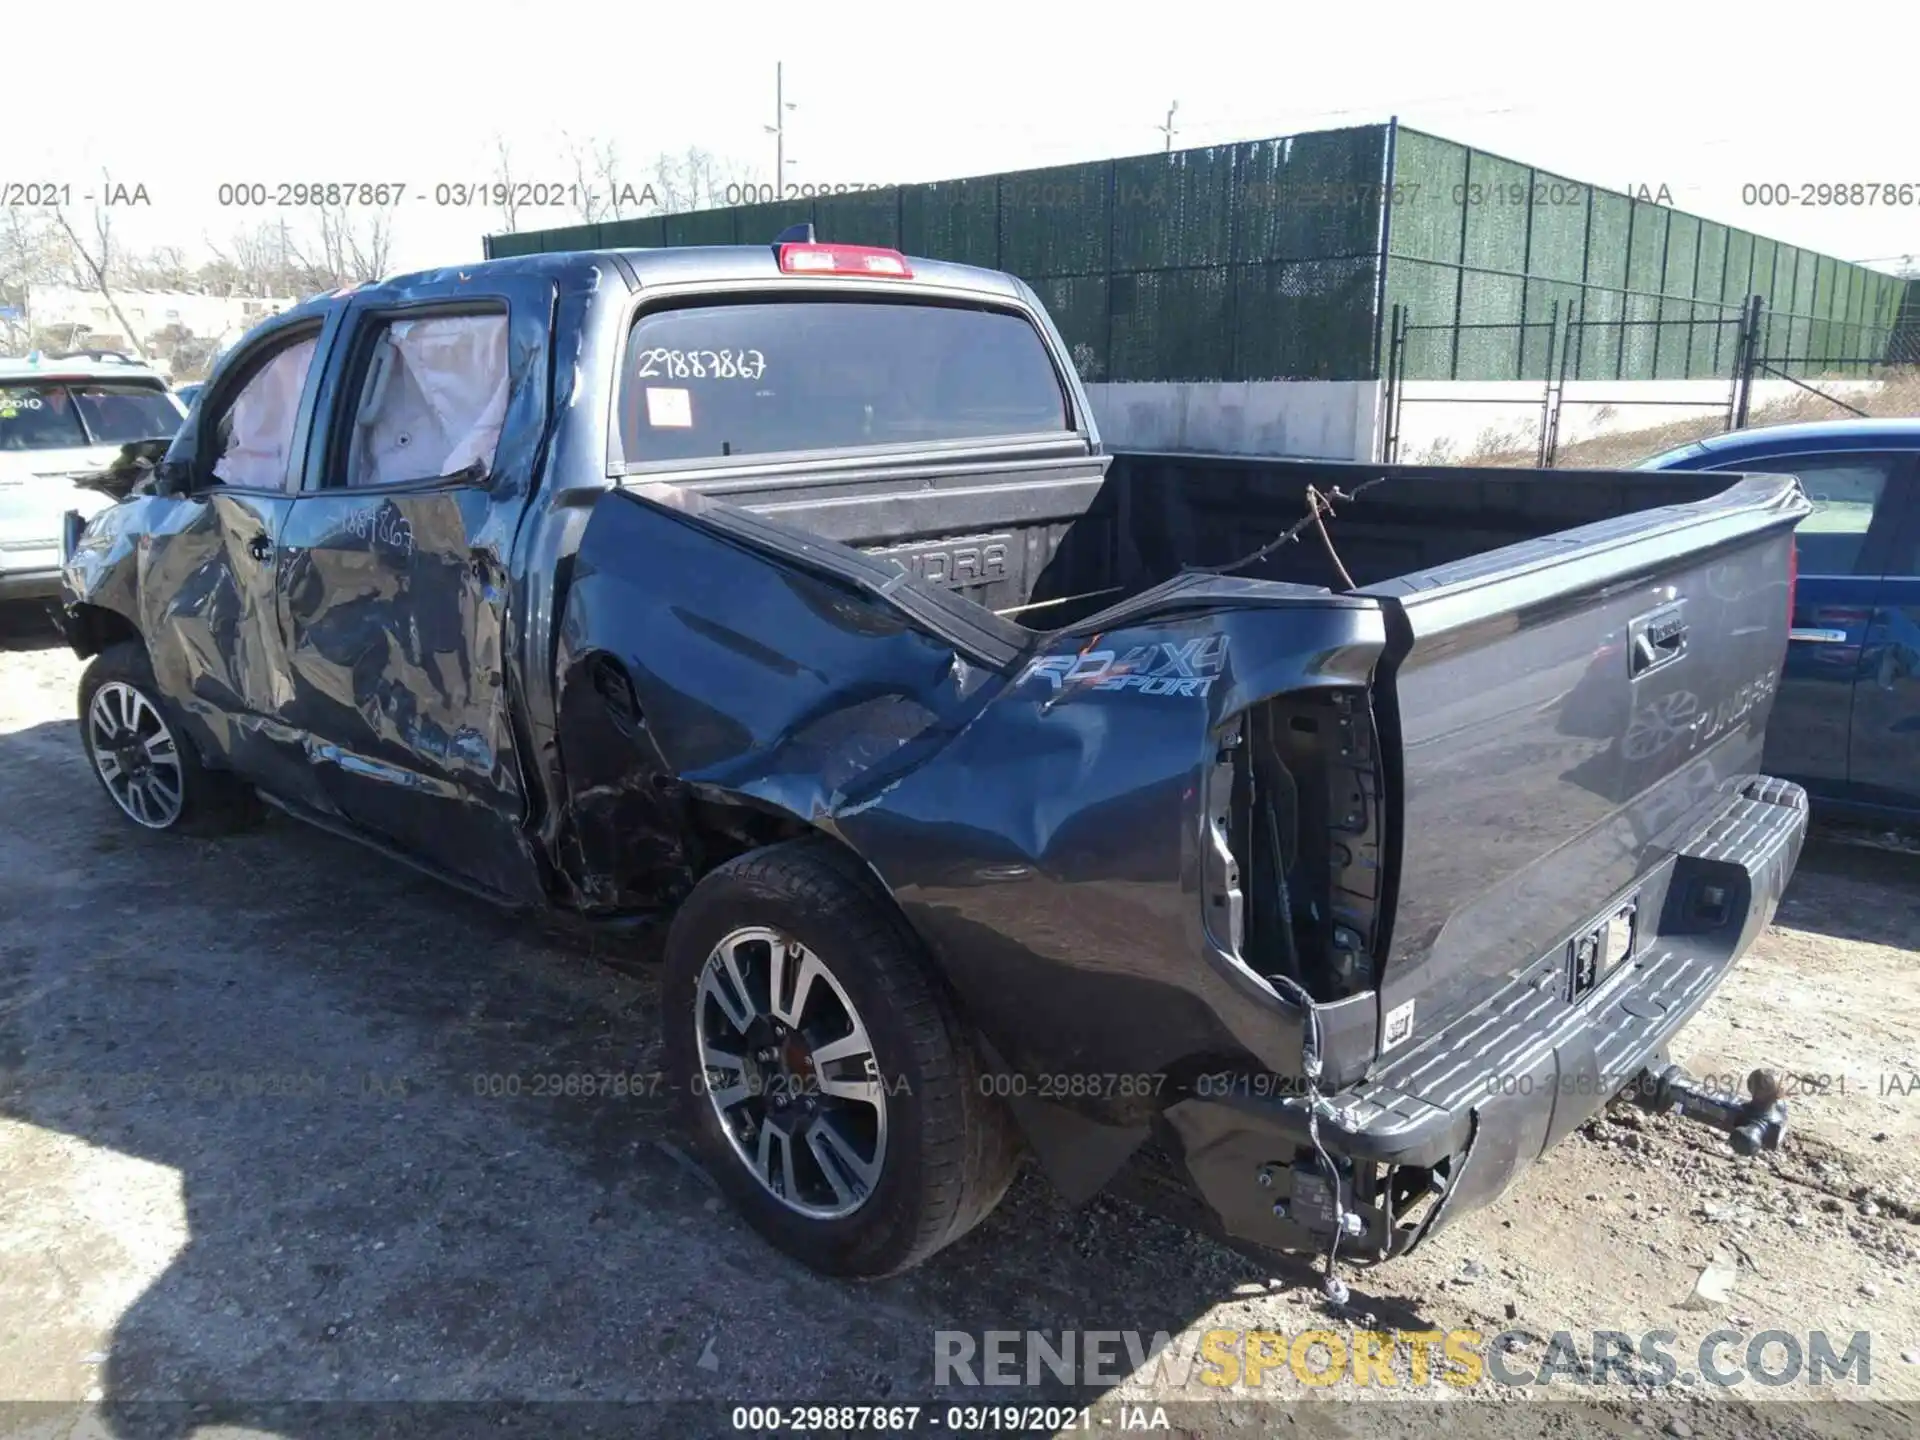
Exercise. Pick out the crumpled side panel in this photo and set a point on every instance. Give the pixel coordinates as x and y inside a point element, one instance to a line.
<point>1041,828</point>
<point>184,574</point>
<point>101,570</point>
<point>747,678</point>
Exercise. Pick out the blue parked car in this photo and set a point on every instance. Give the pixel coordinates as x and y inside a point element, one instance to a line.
<point>1846,723</point>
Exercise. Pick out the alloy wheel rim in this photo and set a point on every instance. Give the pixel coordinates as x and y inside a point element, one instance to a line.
<point>135,755</point>
<point>788,1066</point>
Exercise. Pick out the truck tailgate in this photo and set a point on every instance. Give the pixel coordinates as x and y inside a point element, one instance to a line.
<point>1568,710</point>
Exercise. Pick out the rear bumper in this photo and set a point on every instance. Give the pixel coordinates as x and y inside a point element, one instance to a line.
<point>1454,1123</point>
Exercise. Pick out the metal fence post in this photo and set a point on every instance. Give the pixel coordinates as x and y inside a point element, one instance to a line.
<point>1391,389</point>
<point>1395,392</point>
<point>1749,362</point>
<point>1386,237</point>
<point>1568,349</point>
<point>1546,399</point>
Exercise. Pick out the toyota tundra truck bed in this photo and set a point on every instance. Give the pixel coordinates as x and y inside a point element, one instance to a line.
<point>1500,728</point>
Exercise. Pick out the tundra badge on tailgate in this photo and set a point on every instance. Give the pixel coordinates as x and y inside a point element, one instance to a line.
<point>1165,668</point>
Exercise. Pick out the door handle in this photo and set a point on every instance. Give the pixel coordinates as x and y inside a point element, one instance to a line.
<point>1649,650</point>
<point>1655,640</point>
<point>1818,637</point>
<point>260,548</point>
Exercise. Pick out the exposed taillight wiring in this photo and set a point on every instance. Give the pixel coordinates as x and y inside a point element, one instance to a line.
<point>1283,897</point>
<point>1311,1068</point>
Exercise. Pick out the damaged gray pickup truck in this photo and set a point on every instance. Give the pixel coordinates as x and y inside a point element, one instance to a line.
<point>1337,837</point>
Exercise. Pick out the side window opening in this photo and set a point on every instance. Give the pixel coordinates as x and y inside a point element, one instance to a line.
<point>255,433</point>
<point>432,400</point>
<point>1845,491</point>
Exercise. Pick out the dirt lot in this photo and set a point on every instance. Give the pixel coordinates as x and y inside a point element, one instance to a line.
<point>246,1157</point>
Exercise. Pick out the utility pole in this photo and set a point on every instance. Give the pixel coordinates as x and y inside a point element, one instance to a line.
<point>779,131</point>
<point>1167,129</point>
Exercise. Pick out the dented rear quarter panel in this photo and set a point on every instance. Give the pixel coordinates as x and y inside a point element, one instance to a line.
<point>1042,837</point>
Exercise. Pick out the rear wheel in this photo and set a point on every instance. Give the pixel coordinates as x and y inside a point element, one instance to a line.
<point>148,769</point>
<point>824,1074</point>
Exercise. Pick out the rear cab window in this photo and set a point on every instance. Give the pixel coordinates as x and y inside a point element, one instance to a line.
<point>709,381</point>
<point>74,414</point>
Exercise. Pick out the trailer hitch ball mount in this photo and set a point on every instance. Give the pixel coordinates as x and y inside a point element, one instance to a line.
<point>1753,1124</point>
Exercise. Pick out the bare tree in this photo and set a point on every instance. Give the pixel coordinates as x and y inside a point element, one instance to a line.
<point>341,246</point>
<point>347,247</point>
<point>94,267</point>
<point>256,263</point>
<point>163,268</point>
<point>707,178</point>
<point>32,253</point>
<point>602,194</point>
<point>505,198</point>
<point>695,180</point>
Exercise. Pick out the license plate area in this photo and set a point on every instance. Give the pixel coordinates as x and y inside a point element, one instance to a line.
<point>1596,953</point>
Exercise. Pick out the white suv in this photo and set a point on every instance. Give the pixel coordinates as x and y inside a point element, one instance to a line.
<point>60,418</point>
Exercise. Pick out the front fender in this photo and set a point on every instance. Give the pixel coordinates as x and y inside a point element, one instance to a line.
<point>99,575</point>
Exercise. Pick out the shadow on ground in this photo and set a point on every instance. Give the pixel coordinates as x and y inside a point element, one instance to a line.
<point>1868,893</point>
<point>26,625</point>
<point>360,1080</point>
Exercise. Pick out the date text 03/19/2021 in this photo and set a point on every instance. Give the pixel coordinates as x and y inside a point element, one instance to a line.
<point>956,1419</point>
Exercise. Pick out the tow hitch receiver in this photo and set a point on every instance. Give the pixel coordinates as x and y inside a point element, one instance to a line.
<point>1756,1123</point>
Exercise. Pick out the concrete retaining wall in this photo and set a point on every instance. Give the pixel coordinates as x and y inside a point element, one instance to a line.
<point>1314,419</point>
<point>1449,420</point>
<point>1441,421</point>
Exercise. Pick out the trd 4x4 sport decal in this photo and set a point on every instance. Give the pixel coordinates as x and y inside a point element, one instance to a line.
<point>1187,668</point>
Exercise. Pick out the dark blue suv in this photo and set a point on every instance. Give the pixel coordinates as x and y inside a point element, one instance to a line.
<point>1847,721</point>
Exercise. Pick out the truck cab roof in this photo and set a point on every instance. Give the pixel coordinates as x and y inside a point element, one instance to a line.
<point>707,264</point>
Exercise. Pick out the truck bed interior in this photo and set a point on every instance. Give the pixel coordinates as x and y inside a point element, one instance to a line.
<point>1045,546</point>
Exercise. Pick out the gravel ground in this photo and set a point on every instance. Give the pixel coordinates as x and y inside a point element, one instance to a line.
<point>247,1157</point>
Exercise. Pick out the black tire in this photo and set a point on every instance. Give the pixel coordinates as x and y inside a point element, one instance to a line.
<point>212,802</point>
<point>951,1151</point>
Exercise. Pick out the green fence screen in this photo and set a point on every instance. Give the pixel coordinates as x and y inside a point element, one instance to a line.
<point>1257,261</point>
<point>1498,265</point>
<point>1263,261</point>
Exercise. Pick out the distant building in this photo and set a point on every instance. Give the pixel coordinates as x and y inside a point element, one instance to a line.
<point>52,308</point>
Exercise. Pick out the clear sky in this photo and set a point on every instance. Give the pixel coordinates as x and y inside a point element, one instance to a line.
<point>1703,99</point>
